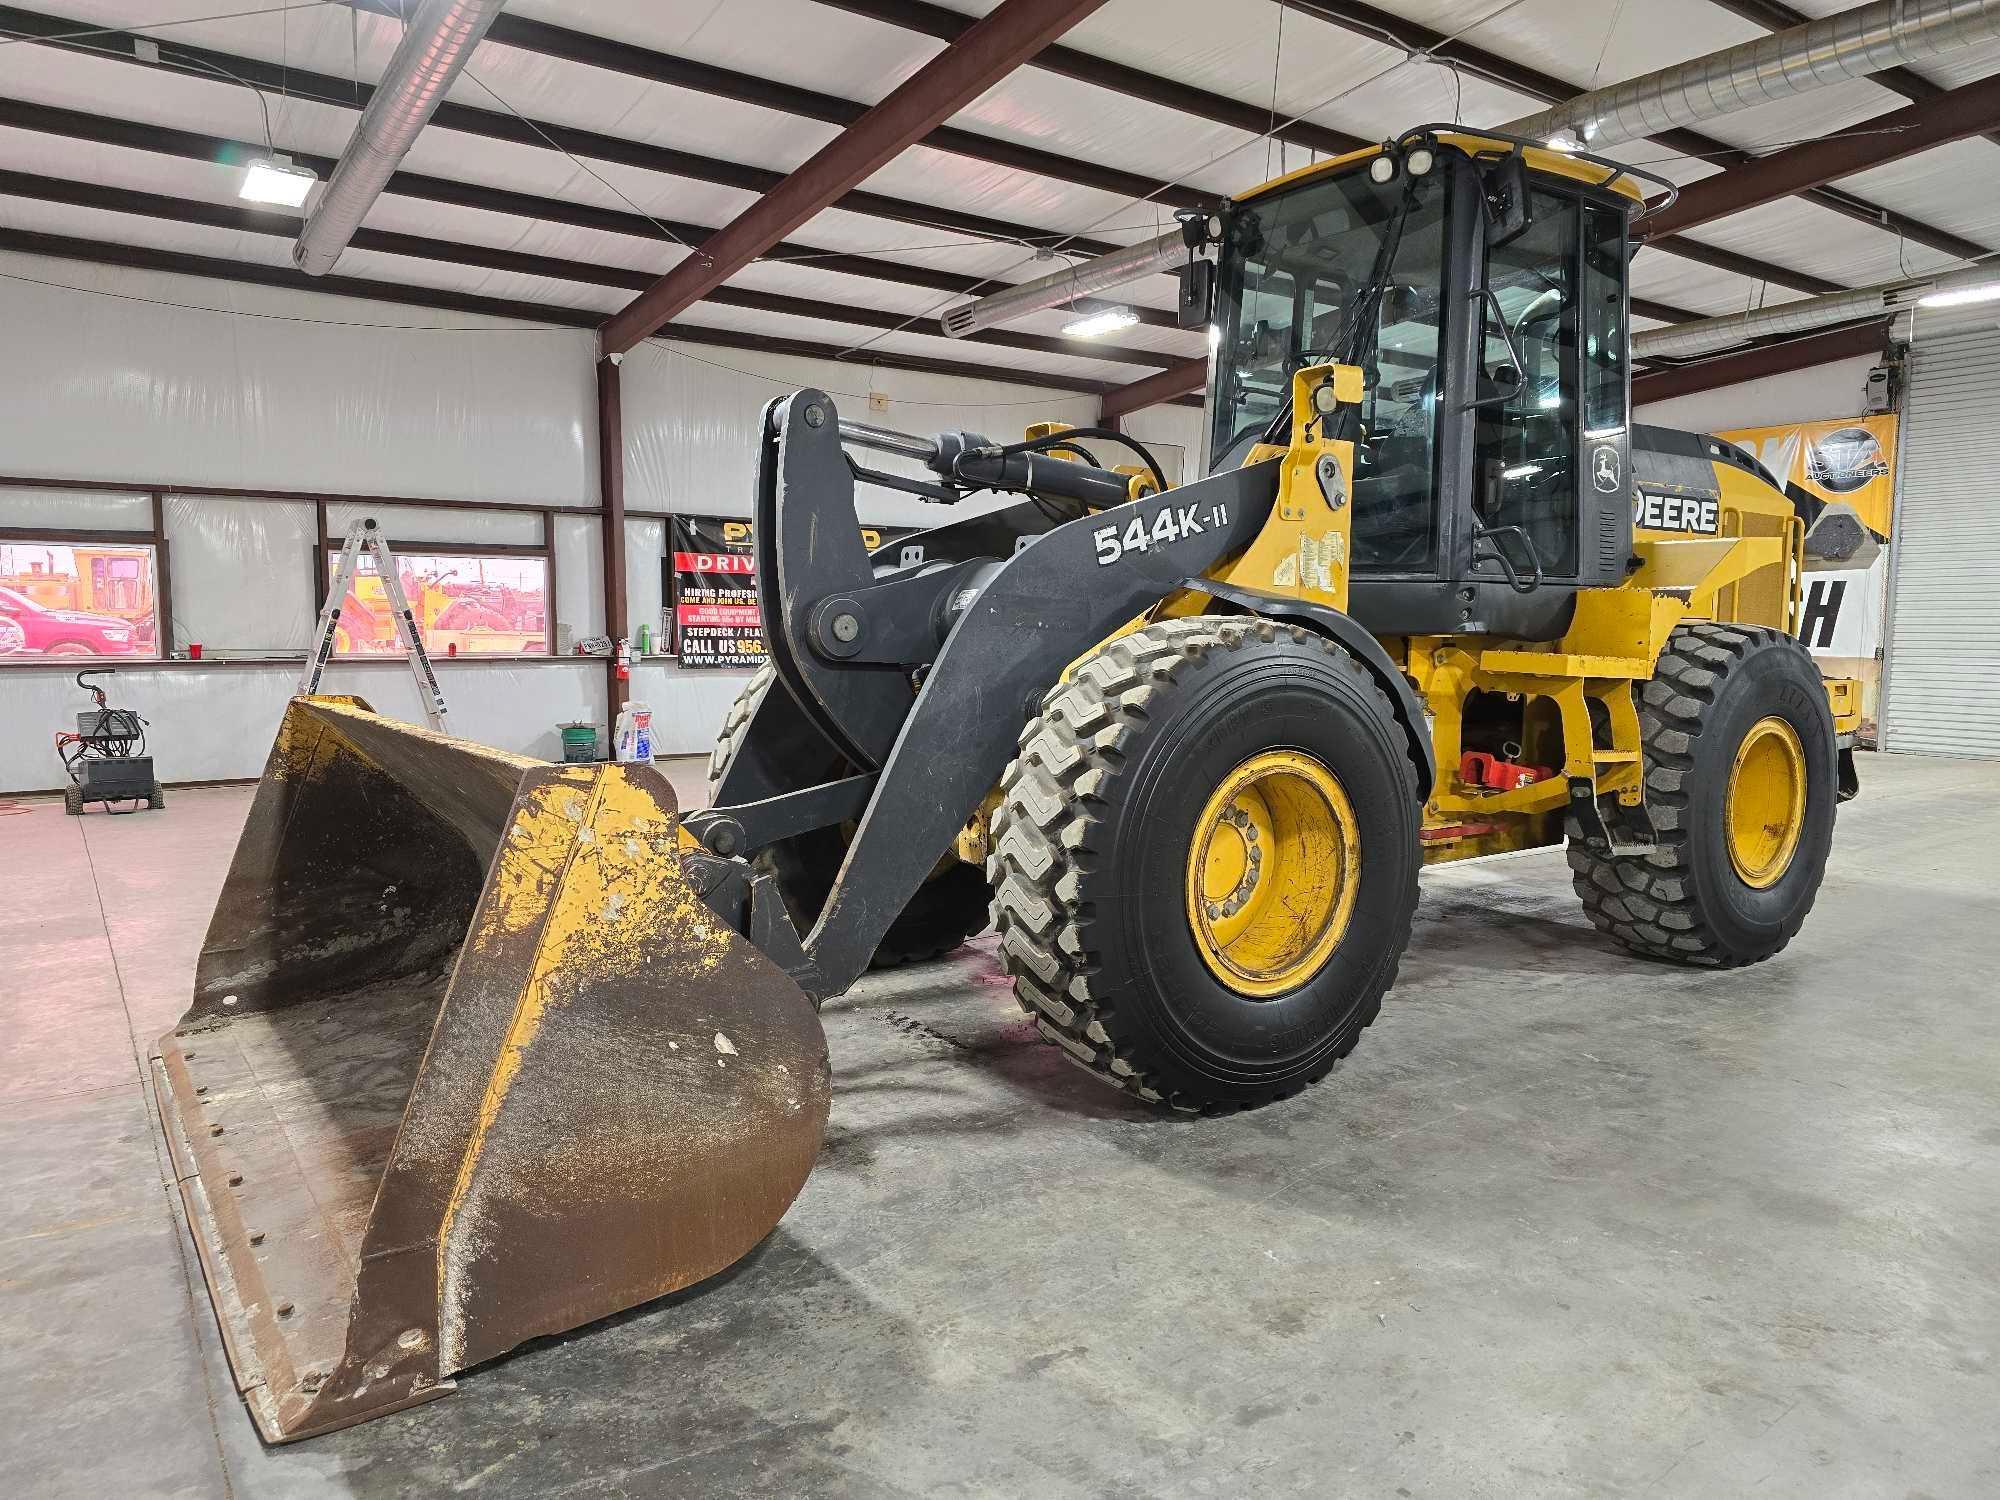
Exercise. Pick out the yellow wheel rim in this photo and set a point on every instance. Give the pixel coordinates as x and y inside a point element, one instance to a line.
<point>1273,872</point>
<point>1766,807</point>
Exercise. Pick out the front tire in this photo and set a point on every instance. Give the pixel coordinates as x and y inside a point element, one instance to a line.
<point>1741,781</point>
<point>1142,934</point>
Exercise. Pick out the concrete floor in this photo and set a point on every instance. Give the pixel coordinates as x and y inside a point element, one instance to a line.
<point>1569,1223</point>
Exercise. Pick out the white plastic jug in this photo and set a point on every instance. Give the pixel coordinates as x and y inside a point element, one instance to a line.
<point>632,741</point>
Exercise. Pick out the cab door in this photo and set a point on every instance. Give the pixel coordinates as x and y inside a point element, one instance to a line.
<point>1549,485</point>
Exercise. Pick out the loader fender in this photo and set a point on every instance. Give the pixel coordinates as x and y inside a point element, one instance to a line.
<point>1343,628</point>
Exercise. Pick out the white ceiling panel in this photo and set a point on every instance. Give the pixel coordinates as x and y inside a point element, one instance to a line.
<point>118,167</point>
<point>154,234</point>
<point>857,340</point>
<point>1955,187</point>
<point>946,180</point>
<point>1694,287</point>
<point>849,56</point>
<point>1037,108</point>
<point>1345,80</point>
<point>1818,241</point>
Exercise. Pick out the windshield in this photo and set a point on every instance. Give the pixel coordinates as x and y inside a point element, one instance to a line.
<point>1295,289</point>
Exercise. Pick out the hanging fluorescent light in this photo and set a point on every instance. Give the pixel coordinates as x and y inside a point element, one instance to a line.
<point>1521,471</point>
<point>277,179</point>
<point>1100,323</point>
<point>1962,296</point>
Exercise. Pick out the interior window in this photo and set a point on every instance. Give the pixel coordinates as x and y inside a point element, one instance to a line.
<point>1526,444</point>
<point>1604,334</point>
<point>1294,283</point>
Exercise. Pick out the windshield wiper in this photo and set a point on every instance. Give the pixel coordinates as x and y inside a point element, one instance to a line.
<point>1349,338</point>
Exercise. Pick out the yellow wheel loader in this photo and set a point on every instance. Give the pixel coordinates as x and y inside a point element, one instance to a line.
<point>483,1049</point>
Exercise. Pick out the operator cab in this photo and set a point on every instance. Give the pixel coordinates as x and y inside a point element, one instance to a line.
<point>1480,284</point>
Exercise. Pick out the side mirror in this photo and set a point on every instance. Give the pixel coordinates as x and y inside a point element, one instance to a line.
<point>1197,293</point>
<point>1509,201</point>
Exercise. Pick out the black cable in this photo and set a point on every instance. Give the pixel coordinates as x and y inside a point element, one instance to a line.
<point>1105,434</point>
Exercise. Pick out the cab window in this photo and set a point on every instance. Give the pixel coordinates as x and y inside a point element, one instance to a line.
<point>1525,473</point>
<point>1294,287</point>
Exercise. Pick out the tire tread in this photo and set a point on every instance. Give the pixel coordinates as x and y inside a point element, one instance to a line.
<point>1053,804</point>
<point>1649,901</point>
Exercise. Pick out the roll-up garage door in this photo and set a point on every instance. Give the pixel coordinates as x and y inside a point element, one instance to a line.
<point>1943,666</point>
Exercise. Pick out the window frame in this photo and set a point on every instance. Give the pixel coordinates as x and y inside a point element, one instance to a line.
<point>1451,172</point>
<point>153,541</point>
<point>325,554</point>
<point>1569,376</point>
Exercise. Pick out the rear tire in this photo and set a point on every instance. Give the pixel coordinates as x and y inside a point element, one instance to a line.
<point>950,907</point>
<point>1717,691</point>
<point>1097,893</point>
<point>157,799</point>
<point>73,800</point>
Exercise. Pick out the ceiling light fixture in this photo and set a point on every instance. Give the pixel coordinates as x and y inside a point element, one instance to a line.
<point>1099,323</point>
<point>1962,296</point>
<point>277,179</point>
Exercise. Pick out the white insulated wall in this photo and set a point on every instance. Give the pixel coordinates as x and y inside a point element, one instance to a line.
<point>1831,390</point>
<point>128,375</point>
<point>693,416</point>
<point>101,386</point>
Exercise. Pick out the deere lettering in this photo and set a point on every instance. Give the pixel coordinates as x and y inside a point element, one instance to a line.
<point>1686,513</point>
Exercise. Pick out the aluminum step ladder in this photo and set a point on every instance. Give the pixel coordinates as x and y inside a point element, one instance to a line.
<point>365,536</point>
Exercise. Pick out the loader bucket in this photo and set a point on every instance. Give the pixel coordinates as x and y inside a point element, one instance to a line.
<point>468,1062</point>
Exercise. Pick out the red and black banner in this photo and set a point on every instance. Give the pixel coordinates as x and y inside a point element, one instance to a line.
<point>712,583</point>
<point>713,586</point>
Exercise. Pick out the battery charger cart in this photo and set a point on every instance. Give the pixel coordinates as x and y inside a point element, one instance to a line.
<point>106,757</point>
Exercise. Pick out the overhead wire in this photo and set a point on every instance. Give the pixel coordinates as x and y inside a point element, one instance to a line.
<point>578,162</point>
<point>239,312</point>
<point>663,345</point>
<point>1202,166</point>
<point>1271,125</point>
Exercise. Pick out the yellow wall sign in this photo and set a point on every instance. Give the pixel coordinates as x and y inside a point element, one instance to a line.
<point>1852,459</point>
<point>1849,460</point>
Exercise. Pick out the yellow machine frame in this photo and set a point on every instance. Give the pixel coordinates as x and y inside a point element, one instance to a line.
<point>1750,574</point>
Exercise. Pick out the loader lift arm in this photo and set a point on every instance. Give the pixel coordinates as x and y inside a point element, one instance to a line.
<point>977,623</point>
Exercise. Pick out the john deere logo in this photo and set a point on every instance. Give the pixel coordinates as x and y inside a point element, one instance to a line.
<point>1604,469</point>
<point>1845,460</point>
<point>1683,513</point>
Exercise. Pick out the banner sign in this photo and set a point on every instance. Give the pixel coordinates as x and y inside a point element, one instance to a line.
<point>1850,460</point>
<point>712,586</point>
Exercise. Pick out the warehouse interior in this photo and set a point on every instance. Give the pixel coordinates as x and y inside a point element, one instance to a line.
<point>403,406</point>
